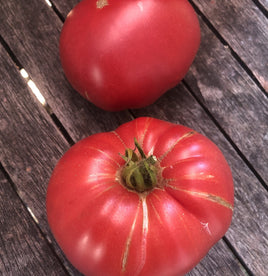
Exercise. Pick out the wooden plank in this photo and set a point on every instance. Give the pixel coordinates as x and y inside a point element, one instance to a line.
<point>30,147</point>
<point>24,250</point>
<point>30,141</point>
<point>245,28</point>
<point>248,232</point>
<point>39,55</point>
<point>233,99</point>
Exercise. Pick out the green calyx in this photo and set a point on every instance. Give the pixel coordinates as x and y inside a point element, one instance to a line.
<point>140,172</point>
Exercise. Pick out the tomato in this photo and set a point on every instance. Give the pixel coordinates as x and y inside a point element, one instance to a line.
<point>150,198</point>
<point>122,54</point>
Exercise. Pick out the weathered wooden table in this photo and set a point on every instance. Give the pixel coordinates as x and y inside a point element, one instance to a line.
<point>223,96</point>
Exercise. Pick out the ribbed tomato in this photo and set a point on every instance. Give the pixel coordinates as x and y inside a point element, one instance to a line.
<point>149,198</point>
<point>123,54</point>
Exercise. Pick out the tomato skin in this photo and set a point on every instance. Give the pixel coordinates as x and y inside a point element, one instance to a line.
<point>106,229</point>
<point>128,53</point>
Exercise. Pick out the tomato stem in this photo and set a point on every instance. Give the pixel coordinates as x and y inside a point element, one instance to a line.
<point>140,172</point>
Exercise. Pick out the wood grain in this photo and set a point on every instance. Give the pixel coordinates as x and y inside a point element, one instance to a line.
<point>244,27</point>
<point>24,250</point>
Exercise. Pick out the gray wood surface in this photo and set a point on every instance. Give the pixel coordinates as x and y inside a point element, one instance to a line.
<point>31,142</point>
<point>244,27</point>
<point>24,249</point>
<point>223,96</point>
<point>30,146</point>
<point>232,97</point>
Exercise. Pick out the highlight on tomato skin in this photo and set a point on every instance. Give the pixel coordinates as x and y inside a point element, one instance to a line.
<point>149,198</point>
<point>121,54</point>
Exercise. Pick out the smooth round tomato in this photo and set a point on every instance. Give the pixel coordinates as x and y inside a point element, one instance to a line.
<point>150,198</point>
<point>123,54</point>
